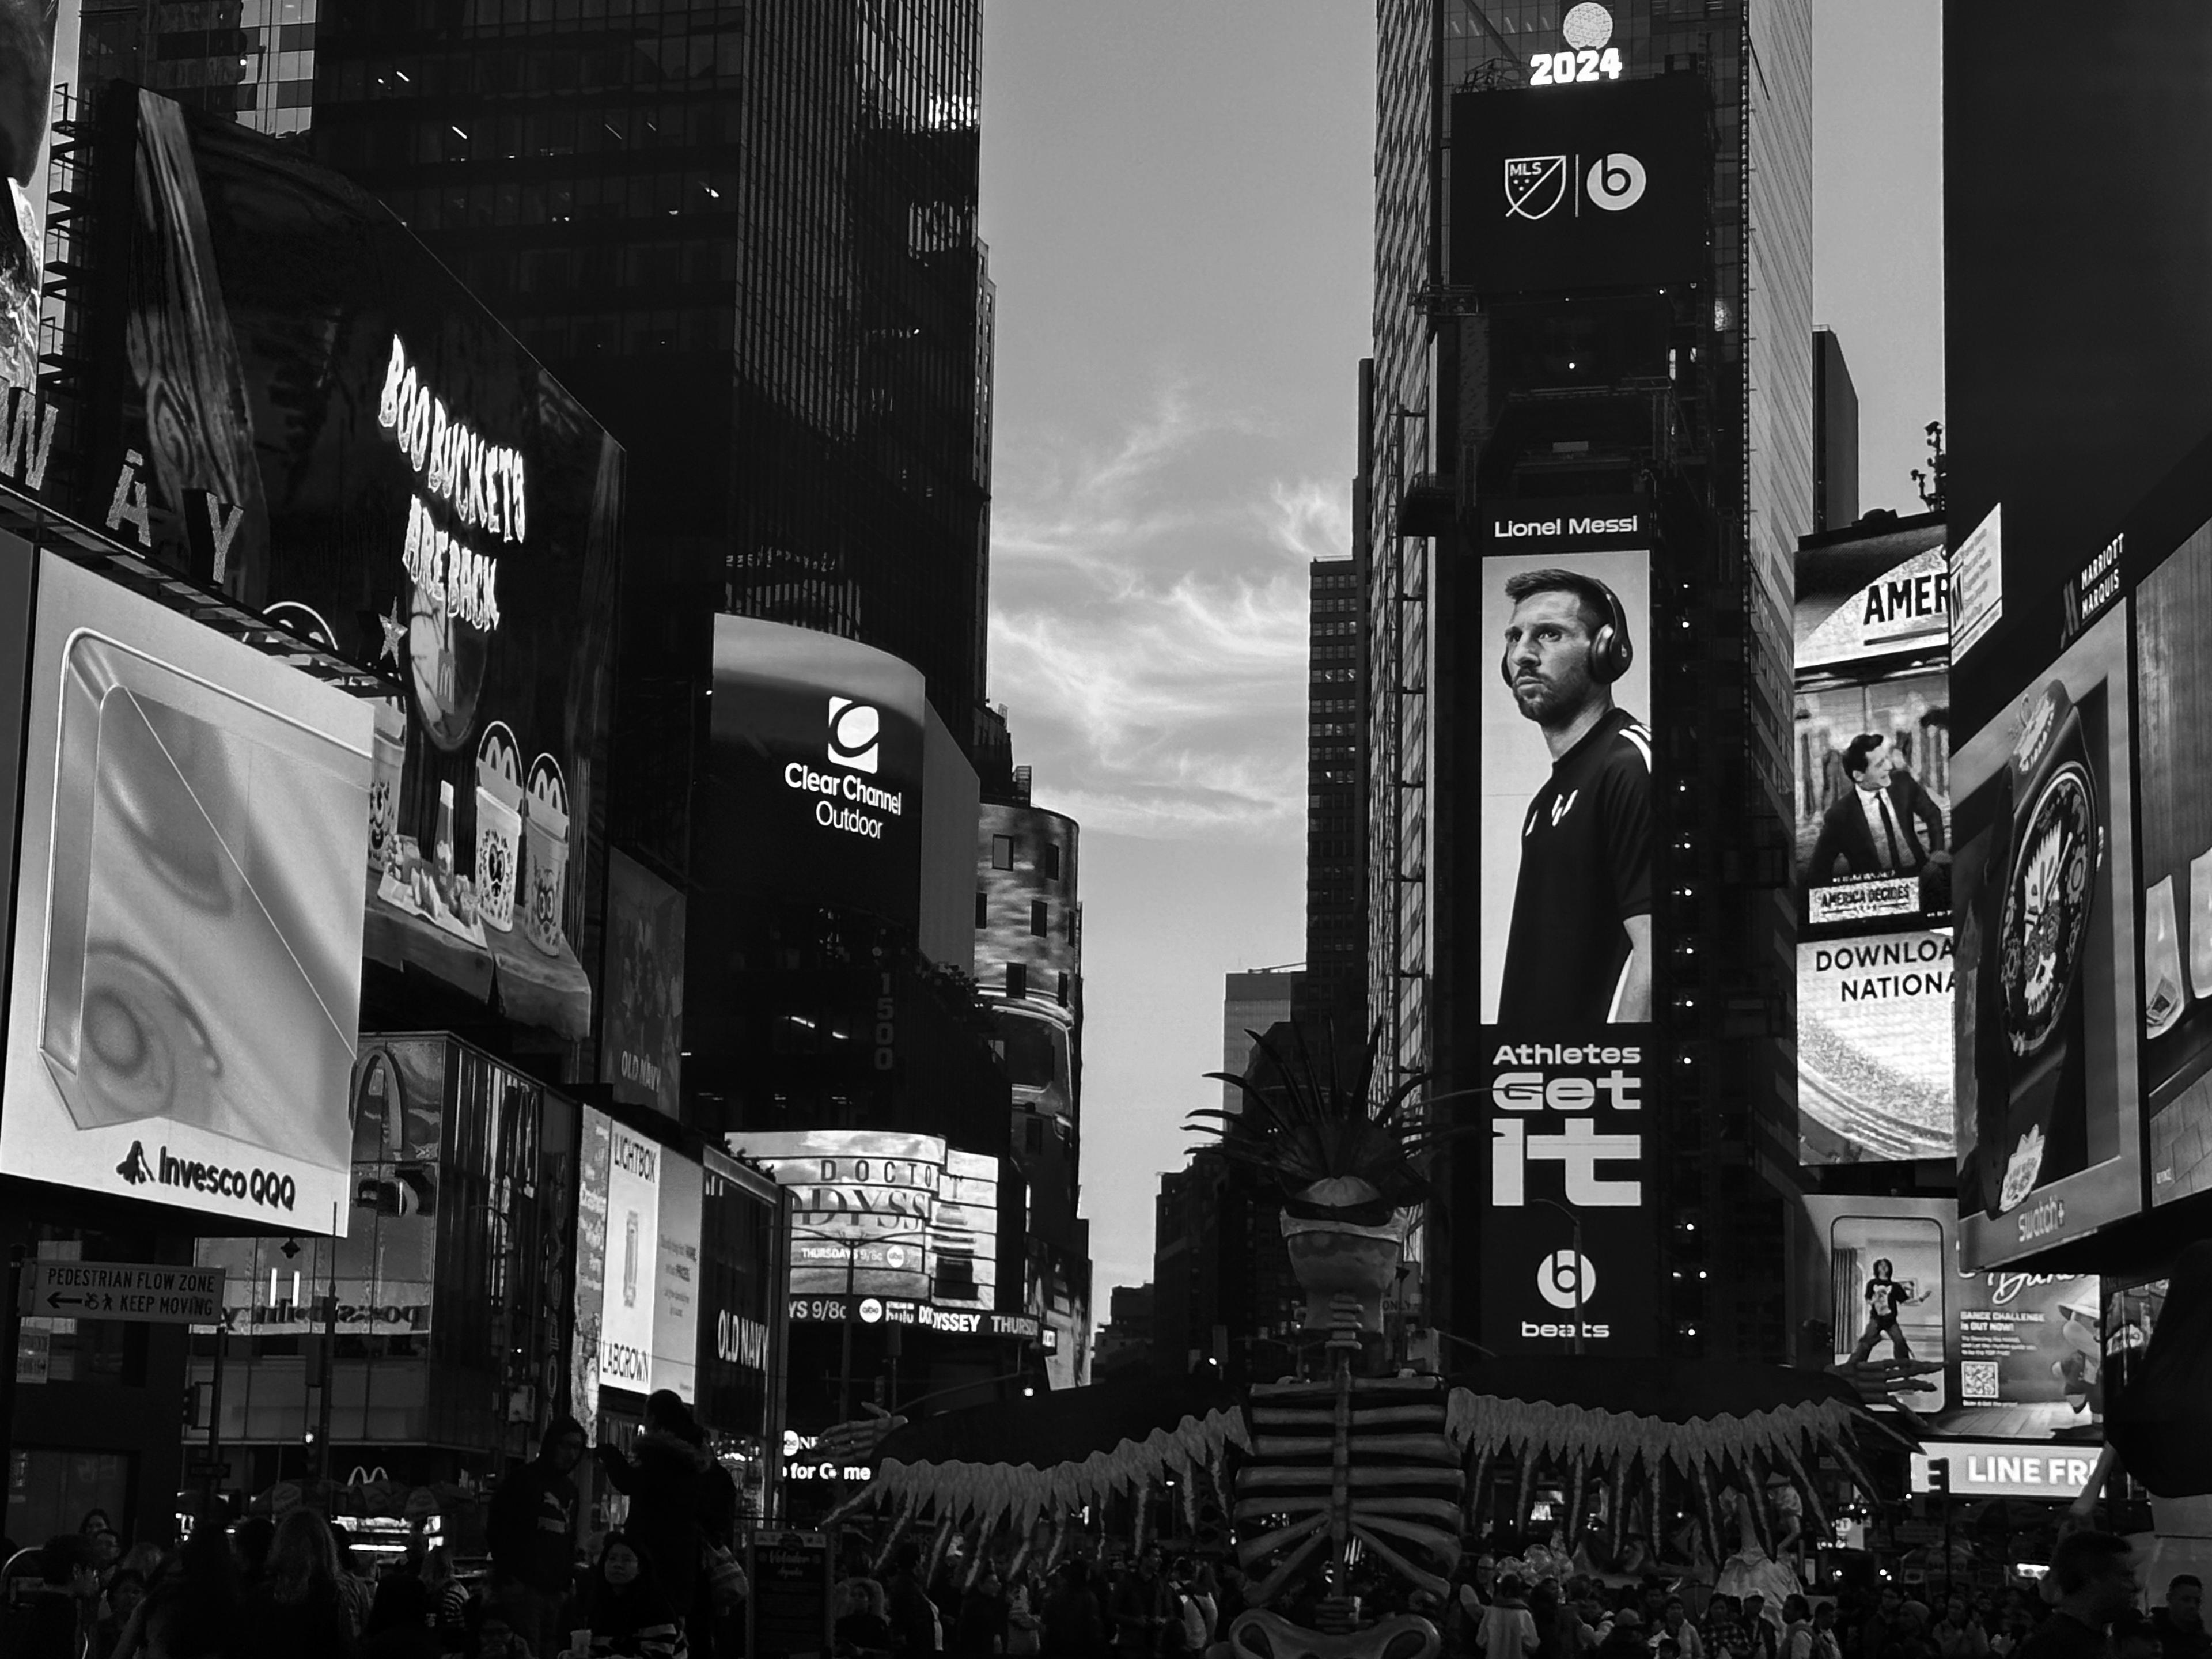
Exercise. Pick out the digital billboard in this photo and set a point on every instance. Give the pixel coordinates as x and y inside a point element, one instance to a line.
<point>862,1205</point>
<point>629,1294</point>
<point>814,780</point>
<point>299,405</point>
<point>677,1276</point>
<point>743,1278</point>
<point>187,977</point>
<point>2173,614</point>
<point>2047,1115</point>
<point>895,1228</point>
<point>1873,856</point>
<point>2021,1354</point>
<point>1567,945</point>
<point>1599,186</point>
<point>642,1022</point>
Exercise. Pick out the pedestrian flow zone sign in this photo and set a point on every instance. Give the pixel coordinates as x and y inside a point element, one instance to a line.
<point>140,1292</point>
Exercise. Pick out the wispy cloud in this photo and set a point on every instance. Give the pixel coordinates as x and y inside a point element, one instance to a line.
<point>1148,625</point>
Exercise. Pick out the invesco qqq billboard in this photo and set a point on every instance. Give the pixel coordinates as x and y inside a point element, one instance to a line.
<point>816,779</point>
<point>195,821</point>
<point>1568,954</point>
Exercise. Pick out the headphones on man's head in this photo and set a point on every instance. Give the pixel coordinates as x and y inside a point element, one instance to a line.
<point>1610,649</point>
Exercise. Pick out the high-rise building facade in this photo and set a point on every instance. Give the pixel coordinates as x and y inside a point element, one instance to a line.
<point>1252,1000</point>
<point>1643,407</point>
<point>1335,982</point>
<point>1835,436</point>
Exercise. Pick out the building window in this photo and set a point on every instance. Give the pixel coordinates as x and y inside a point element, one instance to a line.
<point>1063,990</point>
<point>1002,851</point>
<point>982,907</point>
<point>1017,979</point>
<point>1037,922</point>
<point>1052,860</point>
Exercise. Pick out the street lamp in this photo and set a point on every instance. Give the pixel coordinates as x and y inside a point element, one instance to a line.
<point>1581,1263</point>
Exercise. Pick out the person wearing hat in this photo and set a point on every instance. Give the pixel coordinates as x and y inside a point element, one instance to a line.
<point>1624,1637</point>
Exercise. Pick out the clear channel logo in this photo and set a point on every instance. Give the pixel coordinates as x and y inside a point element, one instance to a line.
<point>1536,186</point>
<point>856,731</point>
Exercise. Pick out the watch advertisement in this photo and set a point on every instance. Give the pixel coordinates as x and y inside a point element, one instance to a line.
<point>194,817</point>
<point>2172,611</point>
<point>2048,1124</point>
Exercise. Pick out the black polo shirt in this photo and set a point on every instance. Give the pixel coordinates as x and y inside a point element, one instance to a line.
<point>1585,870</point>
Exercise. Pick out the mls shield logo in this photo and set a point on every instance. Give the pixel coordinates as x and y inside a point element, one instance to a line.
<point>1535,185</point>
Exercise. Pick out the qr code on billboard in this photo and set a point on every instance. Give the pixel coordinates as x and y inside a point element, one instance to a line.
<point>1978,1379</point>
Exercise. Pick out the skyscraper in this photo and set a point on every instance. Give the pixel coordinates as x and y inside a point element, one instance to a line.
<point>1334,985</point>
<point>1835,436</point>
<point>746,237</point>
<point>1669,393</point>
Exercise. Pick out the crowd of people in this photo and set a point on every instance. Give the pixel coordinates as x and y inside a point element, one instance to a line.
<point>663,1585</point>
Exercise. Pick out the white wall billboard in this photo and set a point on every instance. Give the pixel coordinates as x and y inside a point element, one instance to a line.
<point>676,1277</point>
<point>632,1272</point>
<point>184,991</point>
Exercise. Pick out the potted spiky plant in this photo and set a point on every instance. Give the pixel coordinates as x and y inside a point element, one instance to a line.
<point>1346,1166</point>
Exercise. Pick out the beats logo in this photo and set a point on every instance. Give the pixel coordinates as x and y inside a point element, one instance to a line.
<point>1615,181</point>
<point>1565,1279</point>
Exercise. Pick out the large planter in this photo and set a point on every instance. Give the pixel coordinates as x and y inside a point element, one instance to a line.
<point>1334,1259</point>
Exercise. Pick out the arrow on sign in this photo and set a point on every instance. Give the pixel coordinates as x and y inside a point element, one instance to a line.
<point>58,1301</point>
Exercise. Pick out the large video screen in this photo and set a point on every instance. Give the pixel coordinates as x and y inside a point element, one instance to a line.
<point>1568,954</point>
<point>886,1227</point>
<point>195,816</point>
<point>2021,1354</point>
<point>304,408</point>
<point>2047,1118</point>
<point>1873,856</point>
<point>1579,186</point>
<point>2173,618</point>
<point>814,785</point>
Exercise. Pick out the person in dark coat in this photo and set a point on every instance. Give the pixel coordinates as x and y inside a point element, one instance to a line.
<point>982,1632</point>
<point>1074,1622</point>
<point>532,1534</point>
<point>913,1615</point>
<point>631,1617</point>
<point>664,1478</point>
<point>63,1611</point>
<point>295,1611</point>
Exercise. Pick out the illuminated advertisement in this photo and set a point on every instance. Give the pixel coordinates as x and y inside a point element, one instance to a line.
<point>2000,1469</point>
<point>1567,944</point>
<point>742,1291</point>
<point>2021,1354</point>
<point>814,780</point>
<point>594,1145</point>
<point>1875,968</point>
<point>862,1206</point>
<point>628,1295</point>
<point>677,1276</point>
<point>2173,697</point>
<point>186,978</point>
<point>642,1027</point>
<point>896,1228</point>
<point>304,409</point>
<point>2048,1131</point>
<point>1603,185</point>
